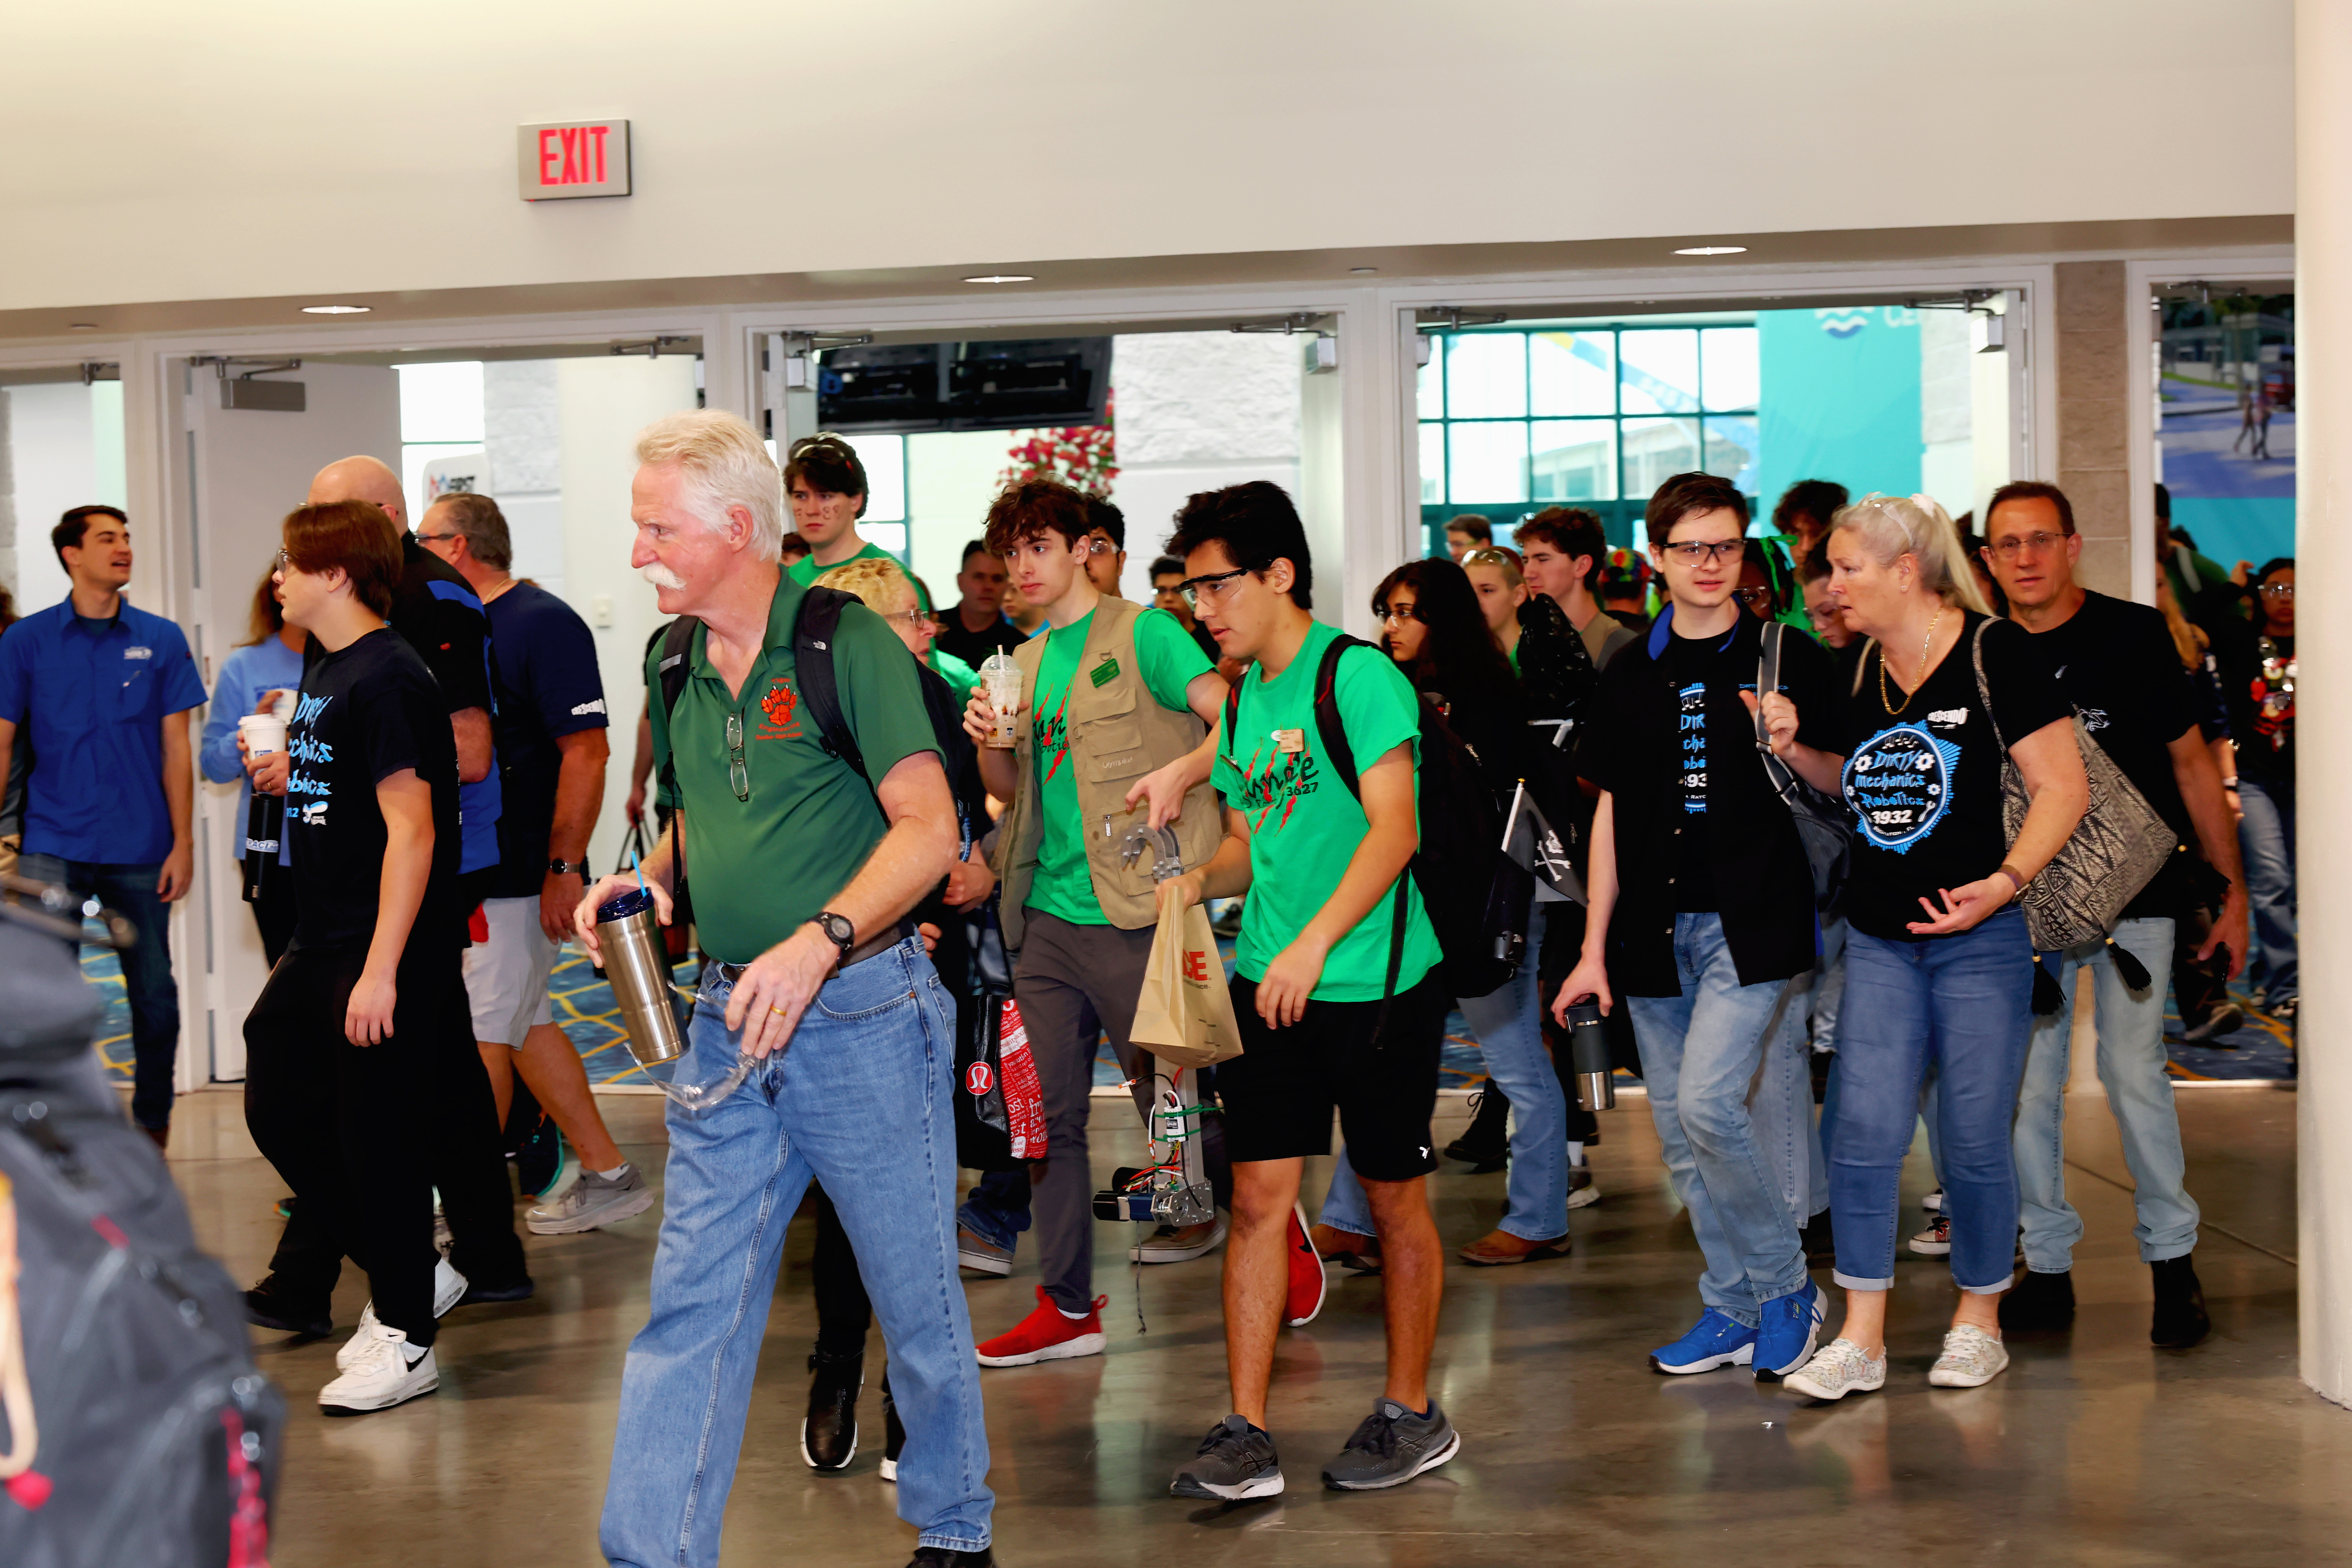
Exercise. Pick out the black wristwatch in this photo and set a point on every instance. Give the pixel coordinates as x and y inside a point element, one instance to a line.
<point>567,868</point>
<point>837,930</point>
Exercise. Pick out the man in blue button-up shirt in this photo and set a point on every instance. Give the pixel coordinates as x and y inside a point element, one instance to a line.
<point>106,690</point>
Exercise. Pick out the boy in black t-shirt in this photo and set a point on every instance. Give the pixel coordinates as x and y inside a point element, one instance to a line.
<point>339,1044</point>
<point>1701,916</point>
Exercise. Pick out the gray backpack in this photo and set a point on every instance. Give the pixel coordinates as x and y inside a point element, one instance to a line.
<point>134,1427</point>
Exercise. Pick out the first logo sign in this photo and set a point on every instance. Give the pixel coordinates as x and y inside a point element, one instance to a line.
<point>571,158</point>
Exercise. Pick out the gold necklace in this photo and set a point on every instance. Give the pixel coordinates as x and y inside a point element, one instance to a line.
<point>1893,709</point>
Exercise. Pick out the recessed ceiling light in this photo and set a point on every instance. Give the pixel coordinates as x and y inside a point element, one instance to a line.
<point>1712,250</point>
<point>1002,278</point>
<point>337,310</point>
<point>81,326</point>
<point>1363,271</point>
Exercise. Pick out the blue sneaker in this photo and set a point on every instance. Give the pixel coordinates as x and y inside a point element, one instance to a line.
<point>1713,1340</point>
<point>1785,1342</point>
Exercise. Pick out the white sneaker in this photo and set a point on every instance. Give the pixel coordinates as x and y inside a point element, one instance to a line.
<point>1170,1245</point>
<point>1583,1192</point>
<point>442,1239</point>
<point>385,1370</point>
<point>1838,1368</point>
<point>592,1201</point>
<point>449,1284</point>
<point>1971,1359</point>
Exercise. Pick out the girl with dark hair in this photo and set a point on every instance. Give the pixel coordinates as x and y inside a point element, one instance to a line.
<point>1432,626</point>
<point>267,663</point>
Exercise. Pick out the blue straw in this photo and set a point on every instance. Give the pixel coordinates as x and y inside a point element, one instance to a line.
<point>634,867</point>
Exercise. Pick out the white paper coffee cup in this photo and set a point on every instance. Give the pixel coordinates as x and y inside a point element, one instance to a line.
<point>263,732</point>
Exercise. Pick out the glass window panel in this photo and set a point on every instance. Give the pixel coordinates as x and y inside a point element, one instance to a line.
<point>1432,464</point>
<point>1487,376</point>
<point>441,402</point>
<point>1660,371</point>
<point>1431,378</point>
<point>1727,365</point>
<point>1572,460</point>
<point>1487,464</point>
<point>1657,450</point>
<point>889,536</point>
<point>1573,373</point>
<point>1731,451</point>
<point>885,457</point>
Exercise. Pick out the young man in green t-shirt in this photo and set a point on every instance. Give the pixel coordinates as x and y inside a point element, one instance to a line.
<point>826,485</point>
<point>1118,710</point>
<point>1337,997</point>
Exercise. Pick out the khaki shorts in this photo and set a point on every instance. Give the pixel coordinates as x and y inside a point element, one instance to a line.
<point>505,977</point>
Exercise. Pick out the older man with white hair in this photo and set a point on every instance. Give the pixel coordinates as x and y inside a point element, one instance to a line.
<point>805,868</point>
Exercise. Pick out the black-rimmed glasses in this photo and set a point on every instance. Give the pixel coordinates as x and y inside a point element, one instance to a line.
<point>738,772</point>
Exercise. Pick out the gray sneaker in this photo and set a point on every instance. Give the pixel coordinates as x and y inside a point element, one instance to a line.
<point>981,1256</point>
<point>1236,1462</point>
<point>592,1201</point>
<point>1392,1447</point>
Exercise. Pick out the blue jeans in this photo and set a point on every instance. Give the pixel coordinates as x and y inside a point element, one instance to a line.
<point>1510,1036</point>
<point>997,1210</point>
<point>129,891</point>
<point>2131,1060</point>
<point>1701,1055</point>
<point>1963,1004</point>
<point>867,1072</point>
<point>2266,838</point>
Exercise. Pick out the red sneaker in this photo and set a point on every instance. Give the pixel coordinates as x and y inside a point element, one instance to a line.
<point>1047,1335</point>
<point>1305,1297</point>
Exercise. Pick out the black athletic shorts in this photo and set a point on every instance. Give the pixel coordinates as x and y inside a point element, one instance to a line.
<point>1279,1093</point>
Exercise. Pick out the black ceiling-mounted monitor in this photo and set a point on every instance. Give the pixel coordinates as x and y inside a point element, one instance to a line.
<point>1009,386</point>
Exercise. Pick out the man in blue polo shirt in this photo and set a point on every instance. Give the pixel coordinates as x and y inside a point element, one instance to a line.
<point>106,690</point>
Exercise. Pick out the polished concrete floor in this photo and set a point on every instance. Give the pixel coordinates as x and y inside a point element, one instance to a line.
<point>2092,1450</point>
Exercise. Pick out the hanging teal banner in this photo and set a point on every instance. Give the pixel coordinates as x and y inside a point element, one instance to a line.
<point>1841,399</point>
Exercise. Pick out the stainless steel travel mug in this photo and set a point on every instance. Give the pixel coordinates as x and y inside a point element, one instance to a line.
<point>1588,1055</point>
<point>636,963</point>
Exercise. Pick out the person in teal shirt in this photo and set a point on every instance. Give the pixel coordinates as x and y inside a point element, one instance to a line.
<point>1332,915</point>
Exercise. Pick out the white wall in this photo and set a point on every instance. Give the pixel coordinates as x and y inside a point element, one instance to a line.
<point>65,446</point>
<point>602,404</point>
<point>1047,131</point>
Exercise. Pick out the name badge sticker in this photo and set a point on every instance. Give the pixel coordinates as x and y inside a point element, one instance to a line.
<point>1290,741</point>
<point>139,653</point>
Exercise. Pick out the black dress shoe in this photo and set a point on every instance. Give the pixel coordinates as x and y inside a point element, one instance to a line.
<point>947,1557</point>
<point>1485,1144</point>
<point>2038,1303</point>
<point>270,1304</point>
<point>480,1294</point>
<point>2180,1319</point>
<point>829,1432</point>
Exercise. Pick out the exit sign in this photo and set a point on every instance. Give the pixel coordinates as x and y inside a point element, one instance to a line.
<point>572,158</point>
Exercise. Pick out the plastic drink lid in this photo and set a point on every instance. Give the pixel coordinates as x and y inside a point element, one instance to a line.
<point>631,901</point>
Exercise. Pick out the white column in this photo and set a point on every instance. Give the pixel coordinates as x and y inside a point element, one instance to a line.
<point>2323,138</point>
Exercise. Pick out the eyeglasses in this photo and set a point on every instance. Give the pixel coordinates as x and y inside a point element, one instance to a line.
<point>424,538</point>
<point>915,618</point>
<point>1487,555</point>
<point>279,562</point>
<point>1754,598</point>
<point>1100,546</point>
<point>2007,548</point>
<point>1397,614</point>
<point>2278,589</point>
<point>1695,551</point>
<point>1195,589</point>
<point>738,772</point>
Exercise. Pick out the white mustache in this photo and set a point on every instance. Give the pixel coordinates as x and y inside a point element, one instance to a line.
<point>661,576</point>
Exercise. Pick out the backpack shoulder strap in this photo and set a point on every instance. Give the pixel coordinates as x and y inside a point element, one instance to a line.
<point>677,652</point>
<point>813,671</point>
<point>1767,679</point>
<point>1328,727</point>
<point>1862,663</point>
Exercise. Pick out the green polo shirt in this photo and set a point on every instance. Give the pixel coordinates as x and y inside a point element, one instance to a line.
<point>759,867</point>
<point>806,570</point>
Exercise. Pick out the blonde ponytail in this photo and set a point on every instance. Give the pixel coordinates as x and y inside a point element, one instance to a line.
<point>1891,527</point>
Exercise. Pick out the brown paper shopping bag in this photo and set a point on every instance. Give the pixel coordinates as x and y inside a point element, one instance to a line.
<point>1184,1016</point>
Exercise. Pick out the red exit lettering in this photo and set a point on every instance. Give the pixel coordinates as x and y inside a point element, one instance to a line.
<point>572,155</point>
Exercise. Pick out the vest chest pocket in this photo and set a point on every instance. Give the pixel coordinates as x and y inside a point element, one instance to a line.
<point>1114,750</point>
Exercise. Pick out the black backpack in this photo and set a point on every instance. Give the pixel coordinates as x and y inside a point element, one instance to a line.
<point>155,1440</point>
<point>1477,898</point>
<point>813,634</point>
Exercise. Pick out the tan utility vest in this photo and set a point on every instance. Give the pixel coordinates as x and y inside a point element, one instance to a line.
<point>1117,733</point>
